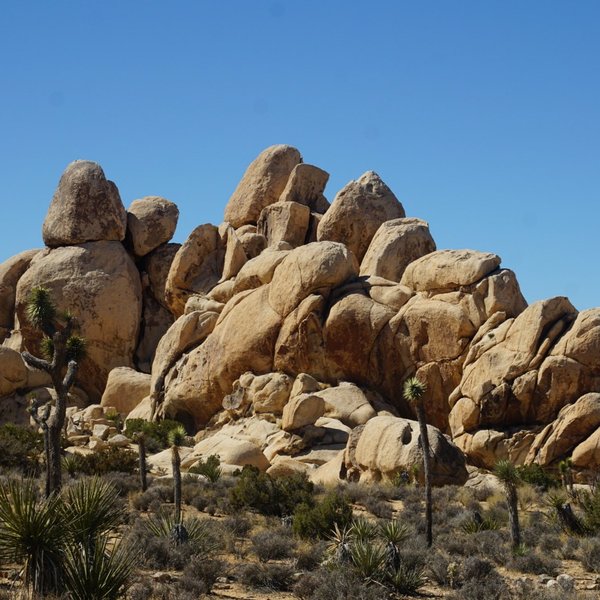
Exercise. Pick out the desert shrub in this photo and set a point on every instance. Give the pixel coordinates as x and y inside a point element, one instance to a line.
<point>210,468</point>
<point>310,556</point>
<point>156,433</point>
<point>269,495</point>
<point>318,521</point>
<point>590,555</point>
<point>534,562</point>
<point>201,573</point>
<point>475,568</point>
<point>341,584</point>
<point>273,544</point>
<point>405,580</point>
<point>20,448</point>
<point>491,587</point>
<point>271,576</point>
<point>535,475</point>
<point>379,508</point>
<point>124,483</point>
<point>478,522</point>
<point>237,525</point>
<point>109,460</point>
<point>153,496</point>
<point>440,570</point>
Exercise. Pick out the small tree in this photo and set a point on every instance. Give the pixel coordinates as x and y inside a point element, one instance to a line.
<point>414,390</point>
<point>176,439</point>
<point>62,351</point>
<point>508,474</point>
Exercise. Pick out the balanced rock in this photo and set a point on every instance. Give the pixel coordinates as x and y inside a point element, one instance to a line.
<point>357,212</point>
<point>151,221</point>
<point>99,284</point>
<point>86,207</point>
<point>394,246</point>
<point>305,186</point>
<point>262,184</point>
<point>284,222</point>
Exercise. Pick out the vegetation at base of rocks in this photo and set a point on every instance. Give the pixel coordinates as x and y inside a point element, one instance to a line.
<point>108,460</point>
<point>537,476</point>
<point>20,449</point>
<point>156,433</point>
<point>210,468</point>
<point>271,496</point>
<point>318,520</point>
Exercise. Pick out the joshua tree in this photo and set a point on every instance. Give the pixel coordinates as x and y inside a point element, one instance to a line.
<point>508,474</point>
<point>140,438</point>
<point>414,389</point>
<point>62,351</point>
<point>176,438</point>
<point>565,468</point>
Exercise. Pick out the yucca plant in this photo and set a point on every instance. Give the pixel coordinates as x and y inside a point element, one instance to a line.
<point>97,573</point>
<point>210,468</point>
<point>32,533</point>
<point>413,392</point>
<point>476,523</point>
<point>394,531</point>
<point>368,559</point>
<point>91,507</point>
<point>363,530</point>
<point>63,351</point>
<point>338,546</point>
<point>405,579</point>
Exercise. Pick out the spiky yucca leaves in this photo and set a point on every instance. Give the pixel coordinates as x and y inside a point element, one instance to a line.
<point>368,559</point>
<point>95,573</point>
<point>363,530</point>
<point>41,311</point>
<point>394,532</point>
<point>177,436</point>
<point>92,507</point>
<point>76,348</point>
<point>210,468</point>
<point>413,390</point>
<point>338,546</point>
<point>33,532</point>
<point>405,579</point>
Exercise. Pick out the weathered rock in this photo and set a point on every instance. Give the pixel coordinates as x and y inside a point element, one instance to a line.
<point>305,186</point>
<point>301,411</point>
<point>11,271</point>
<point>348,403</point>
<point>151,221</point>
<point>235,256</point>
<point>284,222</point>
<point>259,271</point>
<point>253,243</point>
<point>446,270</point>
<point>125,389</point>
<point>13,371</point>
<point>262,184</point>
<point>196,268</point>
<point>99,284</point>
<point>86,207</point>
<point>157,265</point>
<point>357,212</point>
<point>388,445</point>
<point>269,393</point>
<point>396,244</point>
<point>231,451</point>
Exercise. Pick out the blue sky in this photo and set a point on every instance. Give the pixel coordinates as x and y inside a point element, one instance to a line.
<point>483,117</point>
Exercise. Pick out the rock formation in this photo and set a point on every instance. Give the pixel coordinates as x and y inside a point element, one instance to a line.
<point>282,336</point>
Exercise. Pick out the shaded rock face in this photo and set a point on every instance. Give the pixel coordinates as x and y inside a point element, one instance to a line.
<point>100,285</point>
<point>86,207</point>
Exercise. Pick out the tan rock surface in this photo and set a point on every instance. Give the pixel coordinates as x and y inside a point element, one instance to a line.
<point>396,243</point>
<point>348,403</point>
<point>357,212</point>
<point>306,185</point>
<point>11,271</point>
<point>100,285</point>
<point>13,371</point>
<point>284,222</point>
<point>262,184</point>
<point>301,411</point>
<point>125,389</point>
<point>86,207</point>
<point>151,221</point>
<point>197,267</point>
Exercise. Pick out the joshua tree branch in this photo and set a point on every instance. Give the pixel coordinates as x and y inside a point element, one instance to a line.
<point>72,369</point>
<point>37,363</point>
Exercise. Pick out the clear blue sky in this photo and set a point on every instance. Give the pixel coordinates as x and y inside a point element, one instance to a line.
<point>483,117</point>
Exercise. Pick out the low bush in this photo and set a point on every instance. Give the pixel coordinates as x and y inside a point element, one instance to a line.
<point>534,562</point>
<point>109,460</point>
<point>20,448</point>
<point>271,576</point>
<point>314,522</point>
<point>156,433</point>
<point>330,584</point>
<point>273,544</point>
<point>269,495</point>
<point>210,468</point>
<point>590,555</point>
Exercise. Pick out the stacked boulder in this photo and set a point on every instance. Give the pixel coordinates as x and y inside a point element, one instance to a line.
<point>284,334</point>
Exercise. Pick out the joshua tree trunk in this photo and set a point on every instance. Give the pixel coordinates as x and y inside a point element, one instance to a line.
<point>426,471</point>
<point>176,461</point>
<point>54,420</point>
<point>513,514</point>
<point>142,462</point>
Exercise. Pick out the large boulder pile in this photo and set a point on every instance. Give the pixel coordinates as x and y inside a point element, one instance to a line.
<point>283,335</point>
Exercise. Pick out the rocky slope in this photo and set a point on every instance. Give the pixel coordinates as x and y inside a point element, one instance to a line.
<point>282,337</point>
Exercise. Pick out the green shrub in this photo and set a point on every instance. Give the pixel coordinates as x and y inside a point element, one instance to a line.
<point>20,448</point>
<point>210,468</point>
<point>110,460</point>
<point>535,475</point>
<point>156,433</point>
<point>271,496</point>
<point>318,521</point>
